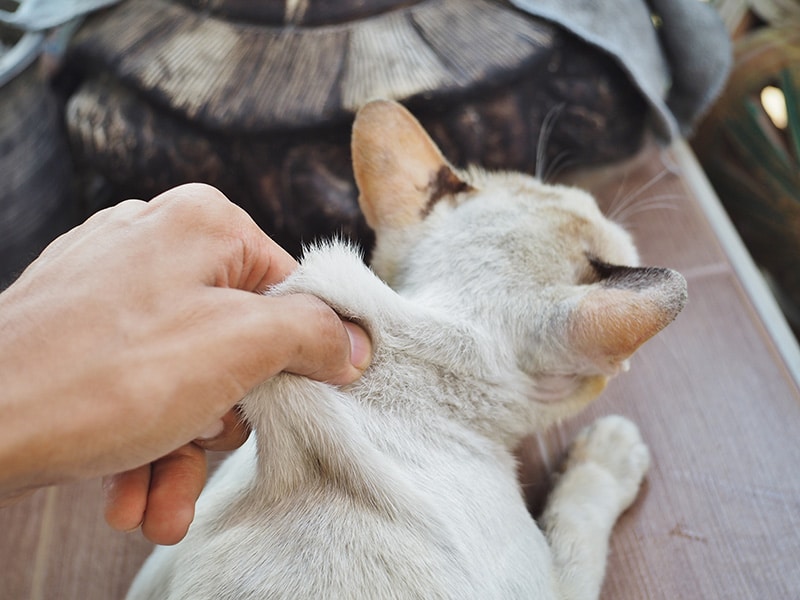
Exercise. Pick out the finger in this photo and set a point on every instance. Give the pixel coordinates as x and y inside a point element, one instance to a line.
<point>323,346</point>
<point>16,496</point>
<point>126,498</point>
<point>360,346</point>
<point>264,262</point>
<point>68,240</point>
<point>253,261</point>
<point>233,432</point>
<point>297,333</point>
<point>175,484</point>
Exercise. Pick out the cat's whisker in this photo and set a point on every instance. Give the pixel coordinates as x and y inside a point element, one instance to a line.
<point>631,197</point>
<point>649,183</point>
<point>614,205</point>
<point>660,202</point>
<point>666,199</point>
<point>621,206</point>
<point>544,134</point>
<point>560,163</point>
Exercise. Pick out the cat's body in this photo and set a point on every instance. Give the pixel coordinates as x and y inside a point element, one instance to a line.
<point>403,485</point>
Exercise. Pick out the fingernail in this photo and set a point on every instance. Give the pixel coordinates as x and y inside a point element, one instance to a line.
<point>213,430</point>
<point>360,346</point>
<point>135,528</point>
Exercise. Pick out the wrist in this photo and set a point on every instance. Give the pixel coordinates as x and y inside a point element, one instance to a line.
<point>30,393</point>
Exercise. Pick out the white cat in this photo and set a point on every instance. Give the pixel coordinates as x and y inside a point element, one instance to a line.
<point>506,313</point>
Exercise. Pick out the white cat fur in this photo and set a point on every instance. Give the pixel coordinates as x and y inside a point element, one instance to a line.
<point>403,485</point>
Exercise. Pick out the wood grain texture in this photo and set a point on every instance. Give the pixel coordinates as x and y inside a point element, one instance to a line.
<point>719,514</point>
<point>168,92</point>
<point>236,76</point>
<point>22,525</point>
<point>296,182</point>
<point>296,12</point>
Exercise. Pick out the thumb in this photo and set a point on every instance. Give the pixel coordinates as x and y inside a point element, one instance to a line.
<point>300,334</point>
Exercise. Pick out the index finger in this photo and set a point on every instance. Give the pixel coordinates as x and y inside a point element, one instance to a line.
<point>269,263</point>
<point>251,260</point>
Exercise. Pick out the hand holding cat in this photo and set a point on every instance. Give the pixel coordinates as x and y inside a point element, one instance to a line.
<point>136,333</point>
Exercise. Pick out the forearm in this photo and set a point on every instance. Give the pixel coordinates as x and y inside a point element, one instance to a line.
<point>41,374</point>
<point>25,382</point>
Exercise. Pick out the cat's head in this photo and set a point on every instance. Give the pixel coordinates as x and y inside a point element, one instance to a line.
<point>537,263</point>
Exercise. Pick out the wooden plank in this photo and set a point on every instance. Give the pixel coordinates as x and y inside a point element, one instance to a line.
<point>741,261</point>
<point>87,559</point>
<point>719,514</point>
<point>21,524</point>
<point>718,517</point>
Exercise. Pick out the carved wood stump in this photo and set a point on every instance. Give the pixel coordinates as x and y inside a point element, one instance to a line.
<point>258,98</point>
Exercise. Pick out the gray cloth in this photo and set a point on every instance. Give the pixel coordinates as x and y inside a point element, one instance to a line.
<point>38,15</point>
<point>680,67</point>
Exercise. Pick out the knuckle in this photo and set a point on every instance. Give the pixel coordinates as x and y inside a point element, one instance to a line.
<point>192,202</point>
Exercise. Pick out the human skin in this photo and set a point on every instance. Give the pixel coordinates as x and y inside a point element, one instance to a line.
<point>126,345</point>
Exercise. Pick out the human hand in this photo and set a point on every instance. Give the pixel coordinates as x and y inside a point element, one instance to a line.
<point>135,334</point>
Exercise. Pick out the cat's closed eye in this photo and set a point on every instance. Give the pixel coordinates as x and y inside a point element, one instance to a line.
<point>593,270</point>
<point>619,276</point>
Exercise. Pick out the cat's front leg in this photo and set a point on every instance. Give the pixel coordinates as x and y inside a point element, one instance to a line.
<point>602,475</point>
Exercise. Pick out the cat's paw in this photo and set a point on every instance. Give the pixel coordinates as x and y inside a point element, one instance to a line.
<point>614,444</point>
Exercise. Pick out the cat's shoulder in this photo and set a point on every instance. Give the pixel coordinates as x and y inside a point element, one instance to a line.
<point>335,253</point>
<point>334,271</point>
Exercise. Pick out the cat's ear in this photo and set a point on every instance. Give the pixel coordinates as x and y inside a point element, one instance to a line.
<point>399,170</point>
<point>627,307</point>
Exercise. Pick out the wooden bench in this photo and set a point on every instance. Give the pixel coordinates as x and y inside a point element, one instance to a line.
<point>716,396</point>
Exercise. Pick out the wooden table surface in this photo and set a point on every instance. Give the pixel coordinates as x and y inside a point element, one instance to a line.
<point>714,395</point>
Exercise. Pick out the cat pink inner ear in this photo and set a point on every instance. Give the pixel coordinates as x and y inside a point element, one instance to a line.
<point>620,314</point>
<point>399,170</point>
